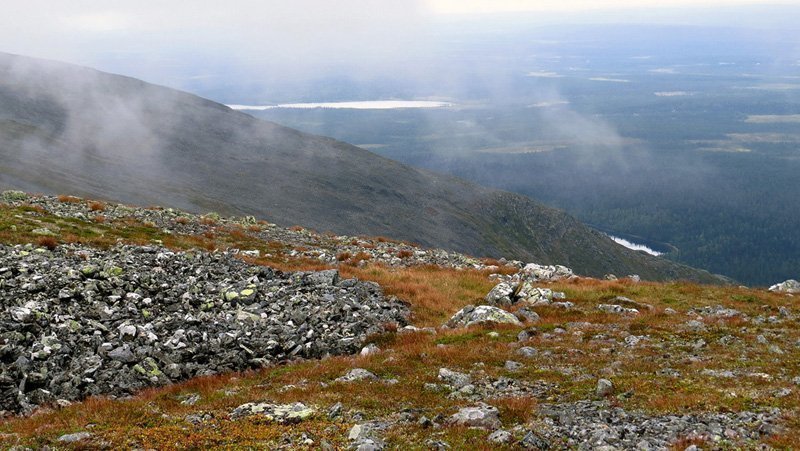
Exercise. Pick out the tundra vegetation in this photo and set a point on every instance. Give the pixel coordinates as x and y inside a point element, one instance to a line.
<point>725,358</point>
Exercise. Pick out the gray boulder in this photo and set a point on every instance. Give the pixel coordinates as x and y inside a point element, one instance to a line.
<point>481,416</point>
<point>532,441</point>
<point>628,302</point>
<point>548,273</point>
<point>368,436</point>
<point>528,315</point>
<point>617,309</point>
<point>790,286</point>
<point>280,413</point>
<point>321,278</point>
<point>509,293</point>
<point>454,378</point>
<point>76,437</point>
<point>500,437</point>
<point>357,374</point>
<point>604,388</point>
<point>482,314</point>
<point>501,294</point>
<point>537,296</point>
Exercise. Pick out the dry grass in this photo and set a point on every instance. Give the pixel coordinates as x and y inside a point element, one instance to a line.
<point>434,292</point>
<point>355,260</point>
<point>68,199</point>
<point>48,242</point>
<point>237,234</point>
<point>516,410</point>
<point>154,418</point>
<point>97,206</point>
<point>343,256</point>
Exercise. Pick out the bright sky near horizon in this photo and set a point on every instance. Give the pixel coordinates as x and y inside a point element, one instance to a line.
<point>38,16</point>
<point>310,35</point>
<point>504,6</point>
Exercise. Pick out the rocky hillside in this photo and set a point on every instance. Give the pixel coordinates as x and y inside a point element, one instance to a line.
<point>80,322</point>
<point>70,129</point>
<point>420,348</point>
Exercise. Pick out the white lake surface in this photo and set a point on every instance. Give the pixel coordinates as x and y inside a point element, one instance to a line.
<point>544,74</point>
<point>549,104</point>
<point>634,246</point>
<point>612,80</point>
<point>358,105</point>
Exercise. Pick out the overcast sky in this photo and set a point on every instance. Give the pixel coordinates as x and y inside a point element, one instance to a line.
<point>139,37</point>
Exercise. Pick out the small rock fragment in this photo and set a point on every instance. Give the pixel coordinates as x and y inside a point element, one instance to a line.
<point>454,378</point>
<point>357,374</point>
<point>481,416</point>
<point>604,388</point>
<point>500,437</point>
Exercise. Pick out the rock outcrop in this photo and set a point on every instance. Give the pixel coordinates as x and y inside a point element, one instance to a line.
<point>77,321</point>
<point>520,287</point>
<point>482,314</point>
<point>790,286</point>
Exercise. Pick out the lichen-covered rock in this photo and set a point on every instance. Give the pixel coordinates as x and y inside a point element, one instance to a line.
<point>695,326</point>
<point>370,349</point>
<point>518,289</point>
<point>500,294</point>
<point>454,378</point>
<point>481,416</point>
<point>73,438</point>
<point>13,196</point>
<point>279,413</point>
<point>630,303</point>
<point>718,311</point>
<point>790,286</point>
<point>368,436</point>
<point>617,309</point>
<point>535,273</point>
<point>535,296</point>
<point>357,374</point>
<point>482,314</point>
<point>604,388</point>
<point>500,437</point>
<point>77,321</point>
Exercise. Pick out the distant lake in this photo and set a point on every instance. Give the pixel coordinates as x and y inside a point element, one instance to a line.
<point>358,105</point>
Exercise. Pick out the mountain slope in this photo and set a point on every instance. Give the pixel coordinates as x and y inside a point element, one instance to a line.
<point>70,129</point>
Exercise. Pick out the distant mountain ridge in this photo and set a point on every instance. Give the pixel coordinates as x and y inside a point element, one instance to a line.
<point>69,129</point>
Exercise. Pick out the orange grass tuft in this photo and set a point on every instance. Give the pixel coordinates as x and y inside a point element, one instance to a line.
<point>68,199</point>
<point>343,256</point>
<point>97,206</point>
<point>48,242</point>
